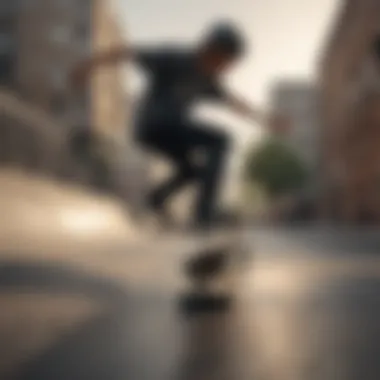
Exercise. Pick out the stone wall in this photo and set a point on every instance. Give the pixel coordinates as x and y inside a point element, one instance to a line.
<point>33,141</point>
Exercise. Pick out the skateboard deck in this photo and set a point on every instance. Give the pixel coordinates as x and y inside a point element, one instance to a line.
<point>213,269</point>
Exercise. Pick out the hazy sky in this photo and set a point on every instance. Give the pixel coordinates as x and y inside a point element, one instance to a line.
<point>284,35</point>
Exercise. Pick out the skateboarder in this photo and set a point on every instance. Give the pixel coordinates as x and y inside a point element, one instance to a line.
<point>178,78</point>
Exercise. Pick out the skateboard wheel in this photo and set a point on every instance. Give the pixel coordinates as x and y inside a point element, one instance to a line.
<point>195,303</point>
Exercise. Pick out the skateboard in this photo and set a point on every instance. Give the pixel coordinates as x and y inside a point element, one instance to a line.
<point>214,269</point>
<point>213,265</point>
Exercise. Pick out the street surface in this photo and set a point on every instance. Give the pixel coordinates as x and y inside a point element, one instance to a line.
<point>86,295</point>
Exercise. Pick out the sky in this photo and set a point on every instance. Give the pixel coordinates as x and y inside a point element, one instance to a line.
<point>284,38</point>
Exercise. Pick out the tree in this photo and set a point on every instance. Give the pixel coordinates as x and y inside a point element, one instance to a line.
<point>275,167</point>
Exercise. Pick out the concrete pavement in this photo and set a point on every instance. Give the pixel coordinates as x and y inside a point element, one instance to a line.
<point>85,295</point>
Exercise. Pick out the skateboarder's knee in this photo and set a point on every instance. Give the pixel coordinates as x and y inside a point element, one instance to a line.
<point>190,171</point>
<point>222,141</point>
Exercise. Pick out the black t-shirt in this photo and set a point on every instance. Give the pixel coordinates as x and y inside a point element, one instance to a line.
<point>175,84</point>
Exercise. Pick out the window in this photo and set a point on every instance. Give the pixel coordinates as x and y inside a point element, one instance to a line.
<point>7,64</point>
<point>84,8</point>
<point>9,7</point>
<point>58,104</point>
<point>81,31</point>
<point>7,24</point>
<point>7,58</point>
<point>6,43</point>
<point>83,100</point>
<point>62,3</point>
<point>60,34</point>
<point>58,78</point>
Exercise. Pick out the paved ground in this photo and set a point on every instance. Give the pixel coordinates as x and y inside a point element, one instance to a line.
<point>87,299</point>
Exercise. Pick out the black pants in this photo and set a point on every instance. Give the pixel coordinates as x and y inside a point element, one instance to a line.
<point>180,143</point>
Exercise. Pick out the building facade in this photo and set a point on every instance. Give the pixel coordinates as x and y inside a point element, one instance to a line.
<point>350,97</point>
<point>8,31</point>
<point>298,100</point>
<point>42,40</point>
<point>109,101</point>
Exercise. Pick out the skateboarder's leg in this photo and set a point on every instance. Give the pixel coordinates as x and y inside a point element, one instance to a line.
<point>173,146</point>
<point>184,175</point>
<point>178,143</point>
<point>215,145</point>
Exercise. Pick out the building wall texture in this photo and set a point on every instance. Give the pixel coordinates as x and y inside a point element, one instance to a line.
<point>350,88</point>
<point>41,41</point>
<point>49,38</point>
<point>108,95</point>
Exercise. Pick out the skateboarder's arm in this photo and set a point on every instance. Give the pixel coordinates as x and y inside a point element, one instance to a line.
<point>156,60</point>
<point>111,56</point>
<point>108,57</point>
<point>247,110</point>
<point>274,123</point>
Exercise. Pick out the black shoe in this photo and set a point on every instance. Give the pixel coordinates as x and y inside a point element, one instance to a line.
<point>164,217</point>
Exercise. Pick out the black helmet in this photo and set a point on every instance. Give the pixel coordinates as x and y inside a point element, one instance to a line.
<point>227,37</point>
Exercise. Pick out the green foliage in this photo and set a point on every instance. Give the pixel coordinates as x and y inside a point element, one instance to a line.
<point>276,167</point>
<point>254,198</point>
